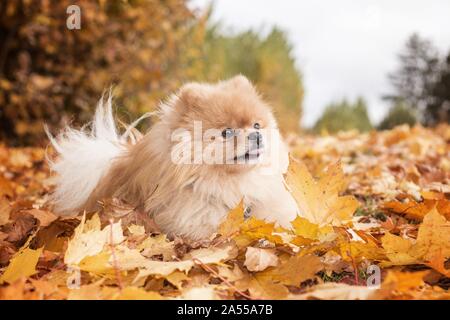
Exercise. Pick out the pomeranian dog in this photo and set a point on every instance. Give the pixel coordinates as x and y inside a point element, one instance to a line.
<point>213,146</point>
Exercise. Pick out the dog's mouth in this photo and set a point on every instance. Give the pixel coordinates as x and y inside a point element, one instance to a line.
<point>249,155</point>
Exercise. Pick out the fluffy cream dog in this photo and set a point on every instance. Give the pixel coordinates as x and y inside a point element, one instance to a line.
<point>214,144</point>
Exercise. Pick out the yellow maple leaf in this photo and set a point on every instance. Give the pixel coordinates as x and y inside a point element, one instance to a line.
<point>89,239</point>
<point>306,229</point>
<point>417,210</point>
<point>23,264</point>
<point>177,278</point>
<point>319,200</point>
<point>397,250</point>
<point>433,237</point>
<point>357,251</point>
<point>437,262</point>
<point>295,270</point>
<point>233,221</point>
<point>259,229</point>
<point>157,245</point>
<point>264,288</point>
<point>98,264</point>
<point>403,281</point>
<point>433,240</point>
<point>246,231</point>
<point>261,287</point>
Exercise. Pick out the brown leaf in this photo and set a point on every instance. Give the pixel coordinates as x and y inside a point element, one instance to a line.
<point>19,229</point>
<point>417,210</point>
<point>5,211</point>
<point>6,187</point>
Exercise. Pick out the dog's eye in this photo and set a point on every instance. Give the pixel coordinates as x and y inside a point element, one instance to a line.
<point>257,126</point>
<point>227,133</point>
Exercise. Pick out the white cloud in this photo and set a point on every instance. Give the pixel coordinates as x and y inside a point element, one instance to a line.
<point>344,48</point>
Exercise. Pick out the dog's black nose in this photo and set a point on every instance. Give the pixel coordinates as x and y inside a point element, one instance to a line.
<point>255,137</point>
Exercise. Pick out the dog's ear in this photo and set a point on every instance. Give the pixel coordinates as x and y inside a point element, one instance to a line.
<point>242,82</point>
<point>191,94</point>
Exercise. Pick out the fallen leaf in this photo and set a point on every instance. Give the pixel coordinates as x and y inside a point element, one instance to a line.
<point>336,291</point>
<point>45,218</point>
<point>6,188</point>
<point>398,249</point>
<point>437,262</point>
<point>433,239</point>
<point>257,259</point>
<point>306,229</point>
<point>233,221</point>
<point>23,264</point>
<point>134,293</point>
<point>20,229</point>
<point>128,259</point>
<point>136,230</point>
<point>5,210</point>
<point>403,281</point>
<point>89,239</point>
<point>202,293</point>
<point>261,287</point>
<point>157,245</point>
<point>177,278</point>
<point>418,210</point>
<point>255,229</point>
<point>319,200</point>
<point>295,270</point>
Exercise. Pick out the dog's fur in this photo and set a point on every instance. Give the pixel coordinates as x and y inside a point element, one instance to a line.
<point>188,200</point>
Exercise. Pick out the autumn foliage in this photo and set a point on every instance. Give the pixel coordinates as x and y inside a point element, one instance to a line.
<point>374,201</point>
<point>50,73</point>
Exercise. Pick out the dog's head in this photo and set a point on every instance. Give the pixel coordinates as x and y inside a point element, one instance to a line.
<point>226,125</point>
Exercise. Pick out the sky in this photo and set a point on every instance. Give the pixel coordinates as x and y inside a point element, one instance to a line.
<point>343,48</point>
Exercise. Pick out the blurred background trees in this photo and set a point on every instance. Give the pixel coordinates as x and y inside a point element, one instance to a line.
<point>438,108</point>
<point>145,48</point>
<point>343,116</point>
<point>421,85</point>
<point>398,114</point>
<point>50,73</point>
<point>416,74</point>
<point>421,93</point>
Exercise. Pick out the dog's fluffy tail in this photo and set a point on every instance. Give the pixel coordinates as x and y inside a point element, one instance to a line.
<point>84,156</point>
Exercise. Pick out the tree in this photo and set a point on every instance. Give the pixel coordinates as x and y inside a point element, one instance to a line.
<point>416,75</point>
<point>343,116</point>
<point>49,73</point>
<point>399,114</point>
<point>438,108</point>
<point>266,60</point>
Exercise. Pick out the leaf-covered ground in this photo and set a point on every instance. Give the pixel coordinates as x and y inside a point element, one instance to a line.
<point>375,226</point>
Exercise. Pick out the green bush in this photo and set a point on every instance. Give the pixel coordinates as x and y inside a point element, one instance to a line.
<point>399,114</point>
<point>344,116</point>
